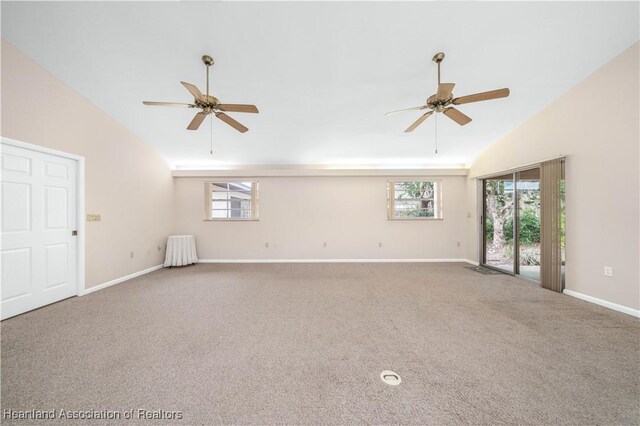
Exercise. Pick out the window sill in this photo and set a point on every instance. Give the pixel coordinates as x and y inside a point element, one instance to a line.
<point>414,218</point>
<point>231,220</point>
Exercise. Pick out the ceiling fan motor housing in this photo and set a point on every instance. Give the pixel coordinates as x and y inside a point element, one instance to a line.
<point>438,105</point>
<point>212,102</point>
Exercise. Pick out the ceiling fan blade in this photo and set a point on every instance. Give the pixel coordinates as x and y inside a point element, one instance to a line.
<point>484,96</point>
<point>238,108</point>
<point>171,104</point>
<point>418,121</point>
<point>197,121</point>
<point>231,122</point>
<point>456,116</point>
<point>197,94</point>
<point>406,109</point>
<point>444,91</point>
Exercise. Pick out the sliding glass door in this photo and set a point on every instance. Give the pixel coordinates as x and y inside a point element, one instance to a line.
<point>528,225</point>
<point>498,222</point>
<point>511,223</point>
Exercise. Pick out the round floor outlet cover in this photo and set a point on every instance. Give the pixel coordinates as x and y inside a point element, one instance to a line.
<point>390,377</point>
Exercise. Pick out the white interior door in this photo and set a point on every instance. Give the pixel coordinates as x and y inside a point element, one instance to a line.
<point>39,252</point>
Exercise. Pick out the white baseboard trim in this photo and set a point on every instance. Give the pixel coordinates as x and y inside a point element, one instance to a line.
<point>119,280</point>
<point>472,262</point>
<point>610,305</point>
<point>336,261</point>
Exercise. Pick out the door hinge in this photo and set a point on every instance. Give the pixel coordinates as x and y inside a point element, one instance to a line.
<point>74,233</point>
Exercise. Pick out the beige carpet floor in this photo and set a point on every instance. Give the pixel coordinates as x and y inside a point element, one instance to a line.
<point>305,344</point>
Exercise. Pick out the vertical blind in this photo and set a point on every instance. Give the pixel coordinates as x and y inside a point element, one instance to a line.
<point>551,177</point>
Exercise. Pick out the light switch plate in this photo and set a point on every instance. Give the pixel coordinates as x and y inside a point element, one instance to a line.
<point>608,271</point>
<point>93,217</point>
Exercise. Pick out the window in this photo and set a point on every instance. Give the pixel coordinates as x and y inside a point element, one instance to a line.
<point>231,200</point>
<point>414,199</point>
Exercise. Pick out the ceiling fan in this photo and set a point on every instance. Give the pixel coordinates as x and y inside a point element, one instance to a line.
<point>443,98</point>
<point>208,104</point>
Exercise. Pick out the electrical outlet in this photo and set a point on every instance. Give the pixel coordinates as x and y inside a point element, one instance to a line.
<point>380,244</point>
<point>468,215</point>
<point>458,243</point>
<point>131,255</point>
<point>324,244</point>
<point>608,271</point>
<point>266,245</point>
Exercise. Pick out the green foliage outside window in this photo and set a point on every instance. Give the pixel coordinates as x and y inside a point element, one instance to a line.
<point>418,199</point>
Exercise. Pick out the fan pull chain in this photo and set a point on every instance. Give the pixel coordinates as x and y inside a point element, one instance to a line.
<point>436,126</point>
<point>207,80</point>
<point>211,132</point>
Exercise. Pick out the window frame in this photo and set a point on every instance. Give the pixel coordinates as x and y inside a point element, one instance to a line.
<point>437,199</point>
<point>208,201</point>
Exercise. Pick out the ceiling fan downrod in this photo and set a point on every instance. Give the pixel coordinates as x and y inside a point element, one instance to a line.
<point>437,58</point>
<point>208,61</point>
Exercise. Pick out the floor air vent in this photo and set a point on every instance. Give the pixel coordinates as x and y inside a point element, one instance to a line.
<point>390,378</point>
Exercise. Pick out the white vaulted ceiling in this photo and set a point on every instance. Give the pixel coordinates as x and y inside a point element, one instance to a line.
<point>322,73</point>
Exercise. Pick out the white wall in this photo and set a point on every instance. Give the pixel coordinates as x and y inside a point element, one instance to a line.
<point>473,220</point>
<point>596,124</point>
<point>299,214</point>
<point>127,181</point>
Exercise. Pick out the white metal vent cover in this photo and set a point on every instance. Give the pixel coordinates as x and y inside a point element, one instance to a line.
<point>390,377</point>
